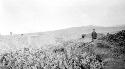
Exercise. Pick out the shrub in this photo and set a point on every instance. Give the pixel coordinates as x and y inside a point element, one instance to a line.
<point>117,40</point>
<point>74,55</point>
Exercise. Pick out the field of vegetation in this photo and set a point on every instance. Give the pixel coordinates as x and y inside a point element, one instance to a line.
<point>107,52</point>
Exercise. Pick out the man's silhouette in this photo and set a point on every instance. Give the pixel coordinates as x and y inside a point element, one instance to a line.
<point>94,35</point>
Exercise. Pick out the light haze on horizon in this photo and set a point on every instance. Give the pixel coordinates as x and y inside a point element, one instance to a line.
<point>28,16</point>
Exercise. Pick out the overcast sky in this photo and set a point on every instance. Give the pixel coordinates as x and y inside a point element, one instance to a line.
<point>25,16</point>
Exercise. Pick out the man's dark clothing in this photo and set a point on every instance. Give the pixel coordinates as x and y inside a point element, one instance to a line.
<point>94,35</point>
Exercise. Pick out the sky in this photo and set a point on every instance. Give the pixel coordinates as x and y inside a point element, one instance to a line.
<point>28,16</point>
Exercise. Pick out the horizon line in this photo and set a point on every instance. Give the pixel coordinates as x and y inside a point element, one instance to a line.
<point>61,29</point>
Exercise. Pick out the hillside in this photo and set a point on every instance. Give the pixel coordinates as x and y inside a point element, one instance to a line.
<point>106,52</point>
<point>43,39</point>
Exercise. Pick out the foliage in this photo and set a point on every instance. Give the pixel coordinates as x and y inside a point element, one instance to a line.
<point>74,55</point>
<point>117,40</point>
<point>71,54</point>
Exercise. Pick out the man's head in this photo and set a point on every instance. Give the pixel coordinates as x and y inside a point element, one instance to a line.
<point>93,29</point>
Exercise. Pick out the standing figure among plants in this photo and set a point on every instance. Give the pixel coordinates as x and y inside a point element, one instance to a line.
<point>94,35</point>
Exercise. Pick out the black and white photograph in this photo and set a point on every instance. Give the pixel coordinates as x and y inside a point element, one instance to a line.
<point>62,34</point>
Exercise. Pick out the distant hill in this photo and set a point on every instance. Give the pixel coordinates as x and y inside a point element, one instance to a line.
<point>75,32</point>
<point>43,39</point>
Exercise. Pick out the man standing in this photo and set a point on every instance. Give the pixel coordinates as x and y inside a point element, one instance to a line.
<point>94,35</point>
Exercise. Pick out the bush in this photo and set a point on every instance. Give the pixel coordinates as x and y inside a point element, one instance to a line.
<point>103,44</point>
<point>117,40</point>
<point>74,55</point>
